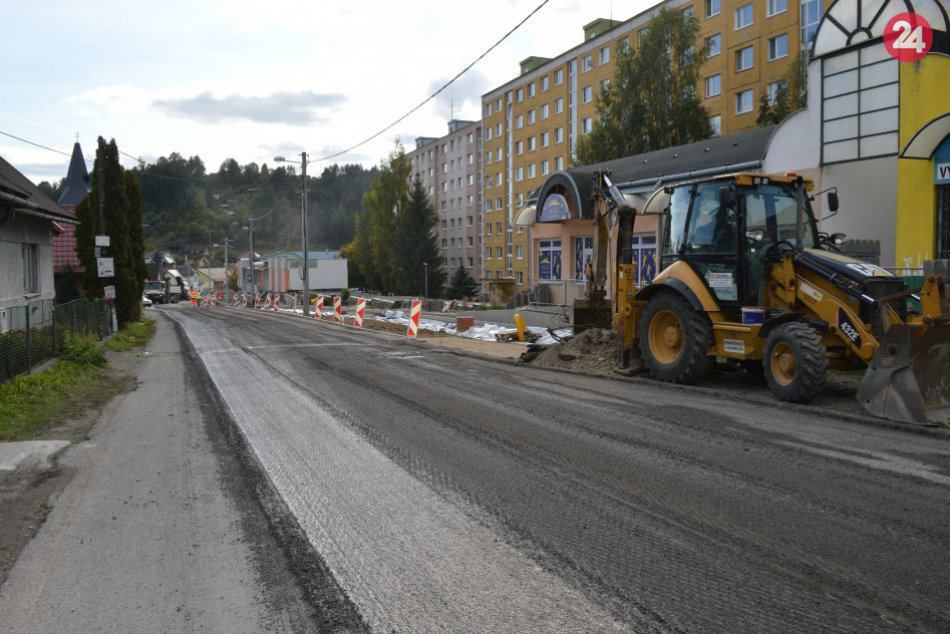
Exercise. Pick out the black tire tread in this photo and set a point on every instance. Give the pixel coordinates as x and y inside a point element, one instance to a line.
<point>697,332</point>
<point>812,362</point>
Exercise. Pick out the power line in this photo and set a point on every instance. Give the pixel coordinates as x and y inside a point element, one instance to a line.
<point>43,147</point>
<point>436,93</point>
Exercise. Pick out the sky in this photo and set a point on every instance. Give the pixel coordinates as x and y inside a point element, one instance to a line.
<point>254,80</point>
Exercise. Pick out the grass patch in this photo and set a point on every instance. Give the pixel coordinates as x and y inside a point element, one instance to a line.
<point>133,335</point>
<point>30,404</point>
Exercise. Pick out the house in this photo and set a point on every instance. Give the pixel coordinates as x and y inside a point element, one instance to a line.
<point>281,271</point>
<point>29,220</point>
<point>212,278</point>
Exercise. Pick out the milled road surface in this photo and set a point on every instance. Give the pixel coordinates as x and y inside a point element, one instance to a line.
<point>451,493</point>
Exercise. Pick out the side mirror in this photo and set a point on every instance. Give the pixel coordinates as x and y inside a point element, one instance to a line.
<point>728,197</point>
<point>833,201</point>
<point>838,239</point>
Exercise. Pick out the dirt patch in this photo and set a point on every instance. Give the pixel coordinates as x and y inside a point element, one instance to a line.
<point>595,352</point>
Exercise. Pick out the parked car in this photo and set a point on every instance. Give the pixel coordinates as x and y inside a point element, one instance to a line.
<point>146,301</point>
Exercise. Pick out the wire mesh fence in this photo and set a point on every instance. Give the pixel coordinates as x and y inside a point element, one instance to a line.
<point>34,333</point>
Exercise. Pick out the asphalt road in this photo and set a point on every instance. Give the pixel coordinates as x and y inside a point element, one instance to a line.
<point>451,493</point>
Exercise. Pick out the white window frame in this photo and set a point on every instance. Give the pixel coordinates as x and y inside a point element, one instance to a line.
<point>713,7</point>
<point>717,88</point>
<point>751,101</point>
<point>605,55</point>
<point>740,13</point>
<point>772,7</point>
<point>739,57</point>
<point>710,39</point>
<point>773,44</point>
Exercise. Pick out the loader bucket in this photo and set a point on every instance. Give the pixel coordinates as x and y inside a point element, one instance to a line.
<point>909,377</point>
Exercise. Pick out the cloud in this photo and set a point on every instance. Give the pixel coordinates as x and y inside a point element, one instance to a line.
<point>293,108</point>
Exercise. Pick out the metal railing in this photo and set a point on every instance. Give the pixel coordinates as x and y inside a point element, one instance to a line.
<point>33,333</point>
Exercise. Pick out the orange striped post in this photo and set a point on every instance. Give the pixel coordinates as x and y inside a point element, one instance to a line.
<point>318,308</point>
<point>337,309</point>
<point>360,310</point>
<point>414,318</point>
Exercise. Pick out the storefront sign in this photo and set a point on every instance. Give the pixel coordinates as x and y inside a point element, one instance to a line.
<point>942,163</point>
<point>555,208</point>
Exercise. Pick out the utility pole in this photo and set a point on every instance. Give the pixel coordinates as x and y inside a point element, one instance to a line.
<point>306,254</point>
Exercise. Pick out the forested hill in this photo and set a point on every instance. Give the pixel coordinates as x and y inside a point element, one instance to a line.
<point>183,206</point>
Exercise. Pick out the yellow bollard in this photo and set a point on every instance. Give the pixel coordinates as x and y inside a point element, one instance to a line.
<point>521,326</point>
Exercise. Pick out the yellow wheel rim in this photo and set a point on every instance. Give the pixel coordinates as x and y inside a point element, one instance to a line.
<point>666,337</point>
<point>783,363</point>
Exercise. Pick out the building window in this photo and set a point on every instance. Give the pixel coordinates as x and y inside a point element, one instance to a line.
<point>545,139</point>
<point>498,131</point>
<point>31,268</point>
<point>744,58</point>
<point>715,122</point>
<point>471,137</point>
<point>605,55</point>
<point>519,174</point>
<point>714,44</point>
<point>558,135</point>
<point>498,253</point>
<point>519,95</point>
<point>545,167</point>
<point>498,204</point>
<point>488,109</point>
<point>544,83</point>
<point>743,16</point>
<point>545,111</point>
<point>743,102</point>
<point>713,85</point>
<point>559,105</point>
<point>519,122</point>
<point>559,76</point>
<point>498,154</point>
<point>623,45</point>
<point>530,117</point>
<point>532,171</point>
<point>498,177</point>
<point>488,156</point>
<point>604,85</point>
<point>498,104</point>
<point>488,134</point>
<point>488,228</point>
<point>713,7</point>
<point>519,252</point>
<point>487,253</point>
<point>588,125</point>
<point>587,64</point>
<point>488,205</point>
<point>773,90</point>
<point>531,90</point>
<point>778,46</point>
<point>811,16</point>
<point>532,143</point>
<point>520,277</point>
<point>471,159</point>
<point>471,179</point>
<point>587,94</point>
<point>559,163</point>
<point>519,148</point>
<point>777,6</point>
<point>642,33</point>
<point>549,259</point>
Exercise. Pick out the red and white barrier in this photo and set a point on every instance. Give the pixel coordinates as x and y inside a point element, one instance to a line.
<point>318,308</point>
<point>234,301</point>
<point>414,318</point>
<point>360,311</point>
<point>337,309</point>
<point>267,302</point>
<point>244,301</point>
<point>276,302</point>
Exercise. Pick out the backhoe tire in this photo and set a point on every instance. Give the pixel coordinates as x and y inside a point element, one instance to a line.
<point>796,362</point>
<point>675,339</point>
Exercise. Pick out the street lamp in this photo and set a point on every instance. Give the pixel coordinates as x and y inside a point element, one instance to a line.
<point>252,258</point>
<point>425,269</point>
<point>303,230</point>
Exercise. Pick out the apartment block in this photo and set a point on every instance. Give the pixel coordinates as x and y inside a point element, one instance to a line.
<point>449,169</point>
<point>531,124</point>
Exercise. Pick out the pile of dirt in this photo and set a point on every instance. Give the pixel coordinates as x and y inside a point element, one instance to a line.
<point>593,351</point>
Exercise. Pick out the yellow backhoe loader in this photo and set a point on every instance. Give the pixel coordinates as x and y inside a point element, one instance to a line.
<point>746,275</point>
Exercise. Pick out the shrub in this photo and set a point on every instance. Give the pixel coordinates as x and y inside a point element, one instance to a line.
<point>83,350</point>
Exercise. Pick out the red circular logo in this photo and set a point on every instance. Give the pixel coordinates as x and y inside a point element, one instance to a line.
<point>908,37</point>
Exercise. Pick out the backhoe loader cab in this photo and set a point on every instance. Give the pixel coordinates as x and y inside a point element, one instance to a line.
<point>746,276</point>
